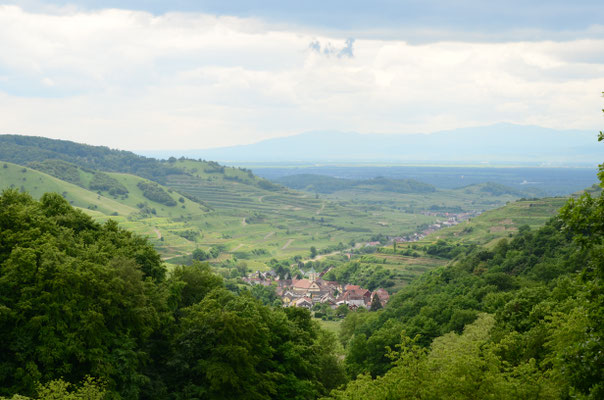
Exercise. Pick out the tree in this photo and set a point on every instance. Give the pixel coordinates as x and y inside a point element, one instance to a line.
<point>200,254</point>
<point>78,298</point>
<point>375,303</point>
<point>342,310</point>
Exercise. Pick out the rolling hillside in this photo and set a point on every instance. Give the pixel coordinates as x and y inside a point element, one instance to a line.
<point>395,267</point>
<point>204,204</point>
<point>328,184</point>
<point>185,204</point>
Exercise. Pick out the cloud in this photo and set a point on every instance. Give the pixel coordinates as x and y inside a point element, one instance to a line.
<point>329,49</point>
<point>135,80</point>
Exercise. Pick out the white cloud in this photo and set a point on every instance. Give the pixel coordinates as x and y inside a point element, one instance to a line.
<point>133,80</point>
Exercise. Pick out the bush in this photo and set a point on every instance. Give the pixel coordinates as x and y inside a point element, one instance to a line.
<point>102,181</point>
<point>154,192</point>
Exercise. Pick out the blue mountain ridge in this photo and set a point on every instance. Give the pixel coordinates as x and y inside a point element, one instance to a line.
<point>501,142</point>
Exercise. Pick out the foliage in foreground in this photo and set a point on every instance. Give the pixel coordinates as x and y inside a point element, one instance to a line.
<point>79,299</point>
<point>542,336</point>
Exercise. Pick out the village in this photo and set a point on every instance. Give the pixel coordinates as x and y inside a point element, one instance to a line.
<point>311,290</point>
<point>450,219</point>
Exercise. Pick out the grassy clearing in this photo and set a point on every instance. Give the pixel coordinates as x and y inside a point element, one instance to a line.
<point>330,326</point>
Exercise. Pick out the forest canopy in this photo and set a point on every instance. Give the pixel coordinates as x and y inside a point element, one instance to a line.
<point>88,308</point>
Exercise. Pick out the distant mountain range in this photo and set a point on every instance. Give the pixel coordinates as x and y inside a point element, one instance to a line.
<point>499,143</point>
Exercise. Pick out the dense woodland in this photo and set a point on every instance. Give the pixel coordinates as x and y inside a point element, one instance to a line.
<point>29,149</point>
<point>91,305</point>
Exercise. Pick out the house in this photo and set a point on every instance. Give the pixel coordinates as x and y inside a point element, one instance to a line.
<point>288,297</point>
<point>354,294</point>
<point>350,298</point>
<point>333,286</point>
<point>328,299</point>
<point>301,285</point>
<point>383,295</point>
<point>307,287</point>
<point>303,302</point>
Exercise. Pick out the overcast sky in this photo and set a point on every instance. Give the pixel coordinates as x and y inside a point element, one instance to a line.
<point>143,75</point>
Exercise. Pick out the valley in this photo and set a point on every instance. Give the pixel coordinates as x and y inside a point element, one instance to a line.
<point>195,204</point>
<point>227,216</point>
<point>368,258</point>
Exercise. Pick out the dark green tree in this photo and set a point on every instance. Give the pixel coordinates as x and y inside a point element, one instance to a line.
<point>375,303</point>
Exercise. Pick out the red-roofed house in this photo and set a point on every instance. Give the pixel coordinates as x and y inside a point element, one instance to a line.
<point>304,302</point>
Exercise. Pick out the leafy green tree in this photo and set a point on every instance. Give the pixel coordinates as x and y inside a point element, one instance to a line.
<point>77,298</point>
<point>230,346</point>
<point>89,389</point>
<point>342,310</point>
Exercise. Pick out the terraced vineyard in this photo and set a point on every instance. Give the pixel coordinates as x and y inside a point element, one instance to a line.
<point>395,267</point>
<point>183,205</point>
<point>495,224</point>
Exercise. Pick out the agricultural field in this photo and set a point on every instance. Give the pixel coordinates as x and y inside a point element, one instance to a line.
<point>493,225</point>
<point>393,267</point>
<point>476,198</point>
<point>204,205</point>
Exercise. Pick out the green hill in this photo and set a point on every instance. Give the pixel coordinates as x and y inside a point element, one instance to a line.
<point>522,319</point>
<point>37,183</point>
<point>328,184</point>
<point>502,222</point>
<point>204,204</point>
<point>185,204</point>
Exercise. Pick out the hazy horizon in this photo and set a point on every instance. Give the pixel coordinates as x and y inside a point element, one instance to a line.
<point>153,75</point>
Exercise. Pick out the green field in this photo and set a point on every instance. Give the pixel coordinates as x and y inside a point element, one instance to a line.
<point>330,326</point>
<point>254,220</point>
<point>493,225</point>
<point>398,267</point>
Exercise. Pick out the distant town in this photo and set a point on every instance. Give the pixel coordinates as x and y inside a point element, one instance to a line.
<point>449,219</point>
<point>312,290</point>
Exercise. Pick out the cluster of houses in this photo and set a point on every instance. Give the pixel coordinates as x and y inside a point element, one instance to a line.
<point>450,219</point>
<point>312,290</point>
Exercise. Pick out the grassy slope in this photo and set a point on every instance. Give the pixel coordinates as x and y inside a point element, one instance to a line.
<point>38,183</point>
<point>486,229</point>
<point>104,206</point>
<point>245,216</point>
<point>501,222</point>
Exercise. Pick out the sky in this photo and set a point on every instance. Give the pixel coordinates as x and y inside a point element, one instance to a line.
<point>150,75</point>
